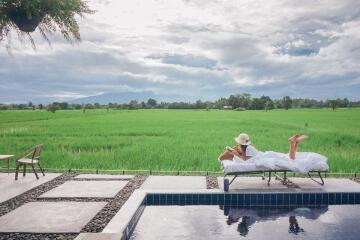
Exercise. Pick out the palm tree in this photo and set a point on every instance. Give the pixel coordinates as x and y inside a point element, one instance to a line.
<point>48,16</point>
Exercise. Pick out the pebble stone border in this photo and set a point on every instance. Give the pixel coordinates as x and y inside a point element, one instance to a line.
<point>38,236</point>
<point>97,224</point>
<point>212,182</point>
<point>357,180</point>
<point>102,218</point>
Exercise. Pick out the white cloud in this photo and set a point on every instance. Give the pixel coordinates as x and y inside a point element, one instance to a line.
<point>204,48</point>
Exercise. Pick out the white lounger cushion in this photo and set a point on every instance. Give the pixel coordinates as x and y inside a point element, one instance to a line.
<point>265,161</point>
<point>231,166</point>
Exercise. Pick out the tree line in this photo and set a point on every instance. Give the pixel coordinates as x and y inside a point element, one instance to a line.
<point>239,102</point>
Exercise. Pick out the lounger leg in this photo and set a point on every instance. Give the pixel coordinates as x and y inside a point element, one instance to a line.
<point>322,183</point>
<point>24,170</point>
<point>37,177</point>
<point>42,171</point>
<point>233,179</point>
<point>268,183</point>
<point>17,171</point>
<point>263,176</point>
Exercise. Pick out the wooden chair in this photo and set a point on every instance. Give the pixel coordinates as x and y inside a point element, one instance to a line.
<point>33,161</point>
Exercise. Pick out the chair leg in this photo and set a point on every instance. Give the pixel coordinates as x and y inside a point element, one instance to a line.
<point>24,172</point>
<point>42,171</point>
<point>37,177</point>
<point>17,172</point>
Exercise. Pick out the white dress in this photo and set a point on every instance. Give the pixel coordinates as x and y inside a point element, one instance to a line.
<point>303,162</point>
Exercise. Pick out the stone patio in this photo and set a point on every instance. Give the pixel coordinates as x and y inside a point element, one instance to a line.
<point>86,189</point>
<point>174,182</point>
<point>50,217</point>
<point>52,214</point>
<point>10,188</point>
<point>103,176</point>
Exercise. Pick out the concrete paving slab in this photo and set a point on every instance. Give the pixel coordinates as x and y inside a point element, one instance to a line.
<point>103,176</point>
<point>174,182</point>
<point>331,185</point>
<point>79,189</point>
<point>254,184</point>
<point>99,236</point>
<point>50,217</point>
<point>10,188</point>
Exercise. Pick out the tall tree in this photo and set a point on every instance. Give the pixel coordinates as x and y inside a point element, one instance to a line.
<point>286,102</point>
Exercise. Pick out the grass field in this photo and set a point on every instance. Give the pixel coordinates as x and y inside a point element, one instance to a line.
<point>175,139</point>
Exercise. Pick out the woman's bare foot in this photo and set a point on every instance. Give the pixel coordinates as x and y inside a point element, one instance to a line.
<point>301,138</point>
<point>293,138</point>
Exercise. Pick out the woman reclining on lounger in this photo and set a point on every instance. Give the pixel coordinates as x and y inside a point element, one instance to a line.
<point>245,150</point>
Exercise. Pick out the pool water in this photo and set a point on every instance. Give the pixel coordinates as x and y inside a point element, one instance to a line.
<point>219,222</point>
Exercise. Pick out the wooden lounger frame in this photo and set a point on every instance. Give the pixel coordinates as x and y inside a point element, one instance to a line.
<point>285,180</point>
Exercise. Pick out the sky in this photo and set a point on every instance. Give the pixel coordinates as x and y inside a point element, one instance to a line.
<point>196,49</point>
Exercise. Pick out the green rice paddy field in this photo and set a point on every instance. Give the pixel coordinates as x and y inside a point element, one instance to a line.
<point>175,140</point>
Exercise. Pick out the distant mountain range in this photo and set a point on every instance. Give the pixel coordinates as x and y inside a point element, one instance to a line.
<point>125,97</point>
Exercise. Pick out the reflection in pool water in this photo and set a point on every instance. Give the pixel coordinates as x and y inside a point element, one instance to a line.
<point>245,217</point>
<point>214,222</point>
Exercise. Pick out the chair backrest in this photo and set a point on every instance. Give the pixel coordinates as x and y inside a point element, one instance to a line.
<point>36,153</point>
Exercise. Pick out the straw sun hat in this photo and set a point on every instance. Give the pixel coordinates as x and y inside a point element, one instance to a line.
<point>243,139</point>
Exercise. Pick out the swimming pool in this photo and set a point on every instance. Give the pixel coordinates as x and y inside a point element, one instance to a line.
<point>291,215</point>
<point>214,222</point>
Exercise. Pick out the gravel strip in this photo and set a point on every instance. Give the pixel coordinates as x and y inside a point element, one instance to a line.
<point>38,236</point>
<point>98,223</point>
<point>33,194</point>
<point>87,199</point>
<point>357,180</point>
<point>211,182</point>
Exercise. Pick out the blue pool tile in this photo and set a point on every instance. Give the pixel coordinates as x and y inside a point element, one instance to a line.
<point>227,199</point>
<point>280,199</point>
<point>273,199</point>
<point>357,198</point>
<point>169,199</point>
<point>201,200</point>
<point>182,199</point>
<point>234,199</point>
<point>299,199</point>
<point>338,198</point>
<point>189,199</point>
<point>267,200</point>
<point>306,198</point>
<point>332,198</point>
<point>312,199</point>
<point>345,198</point>
<point>293,199</point>
<point>176,199</point>
<point>260,199</point>
<point>253,199</point>
<point>162,199</point>
<point>351,198</point>
<point>286,199</point>
<point>325,198</point>
<point>156,198</point>
<point>221,199</point>
<point>149,199</point>
<point>214,199</point>
<point>207,199</point>
<point>318,198</point>
<point>247,200</point>
<point>241,199</point>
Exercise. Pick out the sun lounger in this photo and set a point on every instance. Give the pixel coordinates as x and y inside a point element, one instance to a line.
<point>233,168</point>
